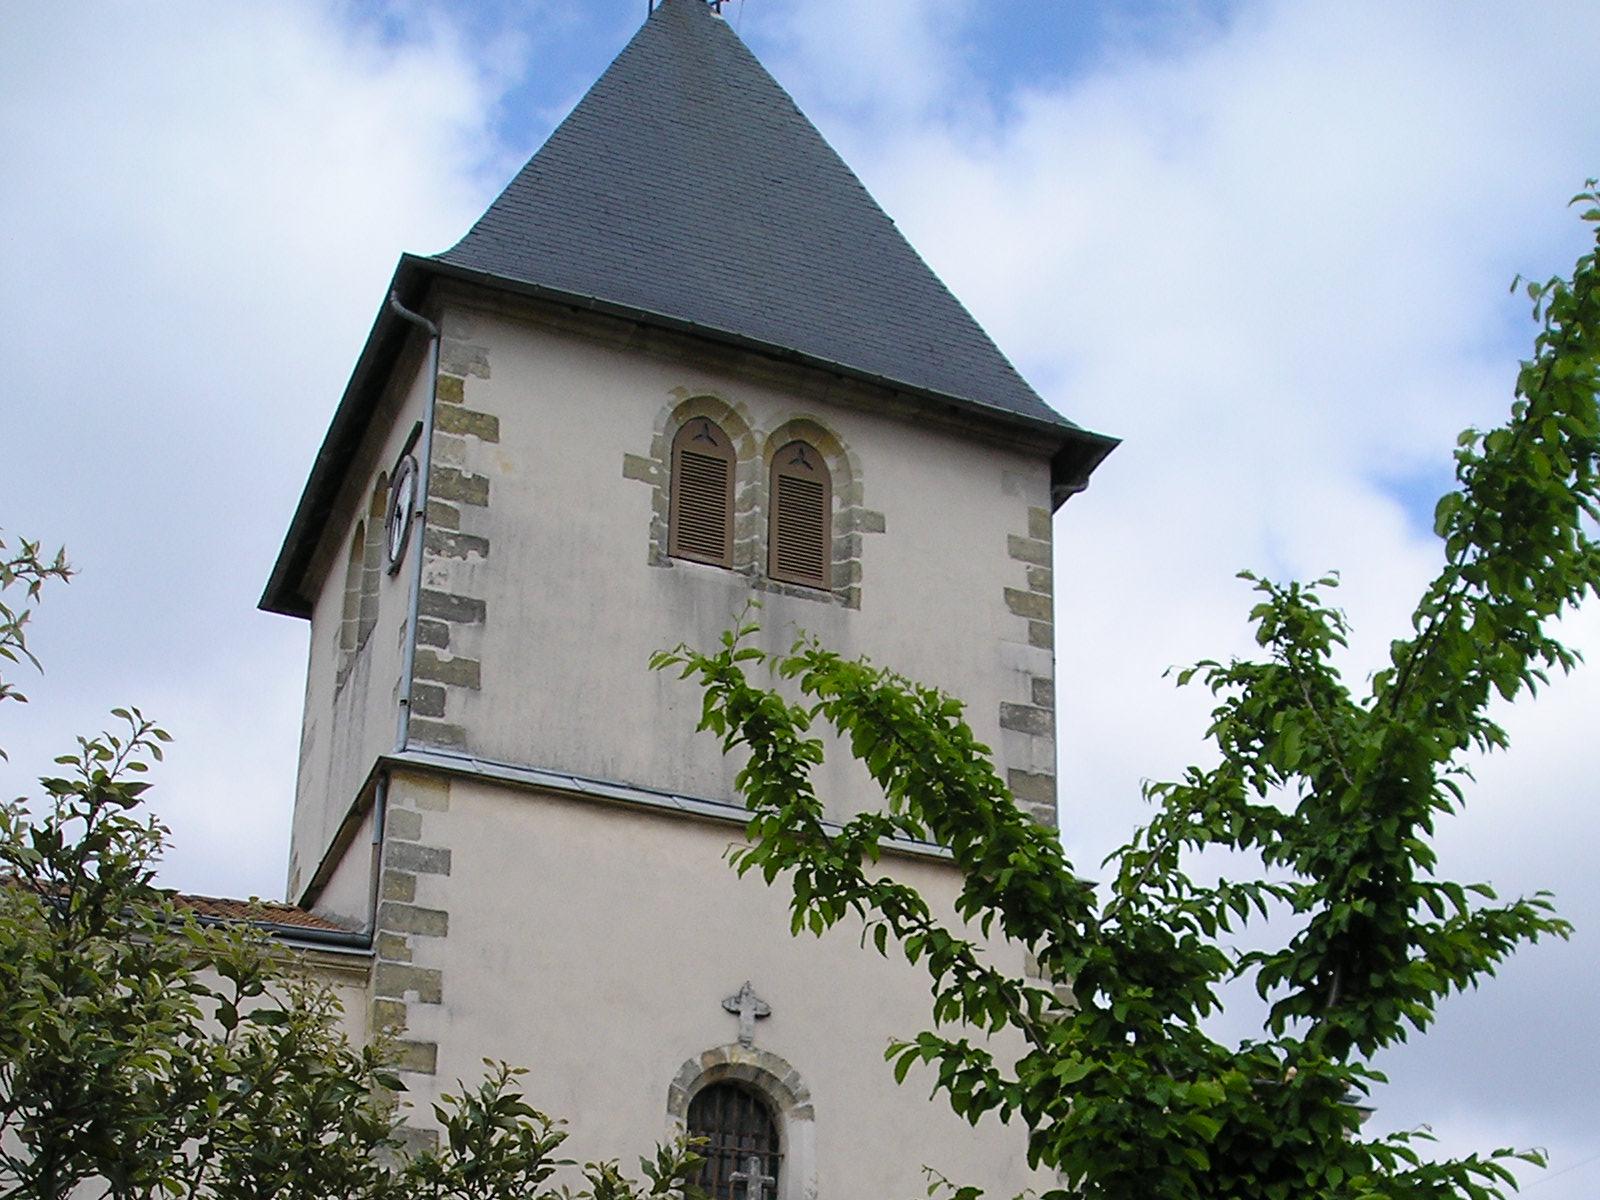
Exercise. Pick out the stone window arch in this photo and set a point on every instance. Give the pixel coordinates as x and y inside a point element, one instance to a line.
<point>848,517</point>
<point>354,569</point>
<point>363,572</point>
<point>754,450</point>
<point>656,469</point>
<point>700,523</point>
<point>372,561</point>
<point>800,520</point>
<point>777,1086</point>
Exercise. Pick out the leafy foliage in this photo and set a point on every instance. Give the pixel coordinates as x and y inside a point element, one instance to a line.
<point>1335,796</point>
<point>22,566</point>
<point>145,1054</point>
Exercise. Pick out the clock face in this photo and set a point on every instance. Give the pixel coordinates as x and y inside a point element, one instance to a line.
<point>402,507</point>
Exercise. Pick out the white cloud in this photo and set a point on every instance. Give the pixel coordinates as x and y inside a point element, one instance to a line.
<point>202,205</point>
<point>891,58</point>
<point>1274,255</point>
<point>1271,253</point>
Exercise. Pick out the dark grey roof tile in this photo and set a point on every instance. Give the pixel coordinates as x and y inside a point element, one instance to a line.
<point>687,183</point>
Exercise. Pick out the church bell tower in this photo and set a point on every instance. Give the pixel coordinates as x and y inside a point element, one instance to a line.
<point>682,363</point>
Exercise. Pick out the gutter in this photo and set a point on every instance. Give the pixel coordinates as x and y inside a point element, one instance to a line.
<point>452,764</point>
<point>320,939</point>
<point>1053,425</point>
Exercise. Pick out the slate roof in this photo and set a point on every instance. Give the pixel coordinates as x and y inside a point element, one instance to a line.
<point>687,191</point>
<point>687,183</point>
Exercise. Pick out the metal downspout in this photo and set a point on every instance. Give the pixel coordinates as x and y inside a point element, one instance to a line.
<point>380,818</point>
<point>402,737</point>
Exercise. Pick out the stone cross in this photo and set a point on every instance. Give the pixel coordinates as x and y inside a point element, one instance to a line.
<point>749,1008</point>
<point>755,1181</point>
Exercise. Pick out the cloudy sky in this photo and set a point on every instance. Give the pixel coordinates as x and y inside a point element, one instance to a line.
<point>1267,243</point>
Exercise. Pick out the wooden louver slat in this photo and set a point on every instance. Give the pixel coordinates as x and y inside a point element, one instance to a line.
<point>800,529</point>
<point>702,495</point>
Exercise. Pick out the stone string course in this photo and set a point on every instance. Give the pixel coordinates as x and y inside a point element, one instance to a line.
<point>1028,724</point>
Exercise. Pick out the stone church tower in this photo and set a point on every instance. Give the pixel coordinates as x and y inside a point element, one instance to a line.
<point>682,363</point>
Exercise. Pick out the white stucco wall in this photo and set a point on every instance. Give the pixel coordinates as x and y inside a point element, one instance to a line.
<point>347,896</point>
<point>591,941</point>
<point>594,944</point>
<point>574,607</point>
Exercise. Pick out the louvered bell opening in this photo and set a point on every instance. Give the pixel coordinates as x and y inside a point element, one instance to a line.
<point>800,549</point>
<point>702,523</point>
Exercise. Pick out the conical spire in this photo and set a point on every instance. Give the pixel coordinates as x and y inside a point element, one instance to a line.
<point>688,185</point>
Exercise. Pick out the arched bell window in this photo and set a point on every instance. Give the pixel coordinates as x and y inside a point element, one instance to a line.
<point>354,572</point>
<point>702,494</point>
<point>372,562</point>
<point>800,531</point>
<point>741,1149</point>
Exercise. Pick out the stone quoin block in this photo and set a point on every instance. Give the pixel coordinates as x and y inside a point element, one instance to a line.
<point>1030,787</point>
<point>469,422</point>
<point>421,860</point>
<point>1028,550</point>
<point>458,672</point>
<point>403,824</point>
<point>395,981</point>
<point>447,543</point>
<point>444,606</point>
<point>389,1015</point>
<point>1029,604</point>
<point>427,699</point>
<point>392,947</point>
<point>1024,718</point>
<point>460,358</point>
<point>438,733</point>
<point>418,1058</point>
<point>448,483</point>
<point>410,918</point>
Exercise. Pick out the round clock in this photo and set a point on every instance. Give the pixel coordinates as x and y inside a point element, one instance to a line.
<point>402,507</point>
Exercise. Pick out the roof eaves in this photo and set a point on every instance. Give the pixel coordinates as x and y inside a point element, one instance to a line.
<point>384,341</point>
<point>1057,425</point>
<point>1078,451</point>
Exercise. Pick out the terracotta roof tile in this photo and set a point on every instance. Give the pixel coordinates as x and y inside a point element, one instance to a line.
<point>222,908</point>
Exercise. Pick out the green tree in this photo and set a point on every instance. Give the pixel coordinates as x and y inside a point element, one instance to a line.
<point>1333,796</point>
<point>145,1055</point>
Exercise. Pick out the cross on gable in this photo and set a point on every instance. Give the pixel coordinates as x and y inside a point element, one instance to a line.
<point>756,1182</point>
<point>749,1008</point>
